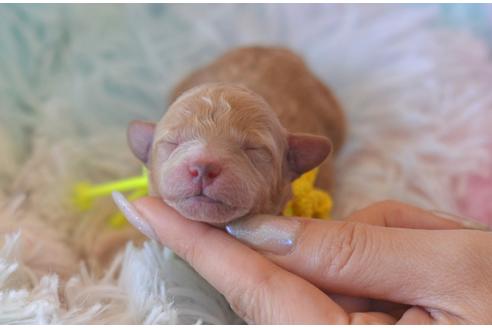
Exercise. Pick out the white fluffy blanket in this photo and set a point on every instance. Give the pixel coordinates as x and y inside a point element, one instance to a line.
<point>416,93</point>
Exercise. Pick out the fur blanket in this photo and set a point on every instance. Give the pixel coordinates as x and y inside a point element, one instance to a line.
<point>416,91</point>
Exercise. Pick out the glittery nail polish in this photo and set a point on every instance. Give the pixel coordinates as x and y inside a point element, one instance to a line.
<point>266,232</point>
<point>133,216</point>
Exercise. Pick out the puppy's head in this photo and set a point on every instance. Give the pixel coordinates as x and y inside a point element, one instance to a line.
<point>221,153</point>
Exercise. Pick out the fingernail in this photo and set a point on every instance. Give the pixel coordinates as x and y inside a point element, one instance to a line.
<point>266,233</point>
<point>467,223</point>
<point>133,216</point>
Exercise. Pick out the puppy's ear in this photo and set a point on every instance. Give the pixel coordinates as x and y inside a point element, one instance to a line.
<point>140,135</point>
<point>307,151</point>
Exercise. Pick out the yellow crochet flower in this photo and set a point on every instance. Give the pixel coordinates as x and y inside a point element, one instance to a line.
<point>307,200</point>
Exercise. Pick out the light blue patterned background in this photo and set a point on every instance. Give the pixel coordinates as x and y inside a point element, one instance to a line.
<point>126,57</point>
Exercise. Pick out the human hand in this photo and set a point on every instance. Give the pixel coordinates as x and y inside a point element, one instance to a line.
<point>388,263</point>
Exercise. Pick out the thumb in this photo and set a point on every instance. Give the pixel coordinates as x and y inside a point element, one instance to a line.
<point>356,259</point>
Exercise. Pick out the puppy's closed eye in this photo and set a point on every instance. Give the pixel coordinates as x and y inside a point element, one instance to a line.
<point>171,142</point>
<point>251,148</point>
<point>168,145</point>
<point>257,153</point>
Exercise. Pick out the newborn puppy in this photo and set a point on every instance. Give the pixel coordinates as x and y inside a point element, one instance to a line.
<point>236,135</point>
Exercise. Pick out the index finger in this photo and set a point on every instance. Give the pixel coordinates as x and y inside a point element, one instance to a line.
<point>400,265</point>
<point>259,290</point>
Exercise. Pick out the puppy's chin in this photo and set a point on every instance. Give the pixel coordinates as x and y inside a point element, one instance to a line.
<point>204,209</point>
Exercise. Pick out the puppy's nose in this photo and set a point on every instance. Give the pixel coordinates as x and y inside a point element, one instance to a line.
<point>204,171</point>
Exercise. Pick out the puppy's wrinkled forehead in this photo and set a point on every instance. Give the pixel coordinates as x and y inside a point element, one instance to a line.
<point>222,112</point>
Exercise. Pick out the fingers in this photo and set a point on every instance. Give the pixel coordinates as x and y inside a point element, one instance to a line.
<point>410,266</point>
<point>399,215</point>
<point>371,318</point>
<point>416,316</point>
<point>363,260</point>
<point>258,290</point>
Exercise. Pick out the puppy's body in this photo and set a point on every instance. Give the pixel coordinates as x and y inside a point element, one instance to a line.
<point>234,136</point>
